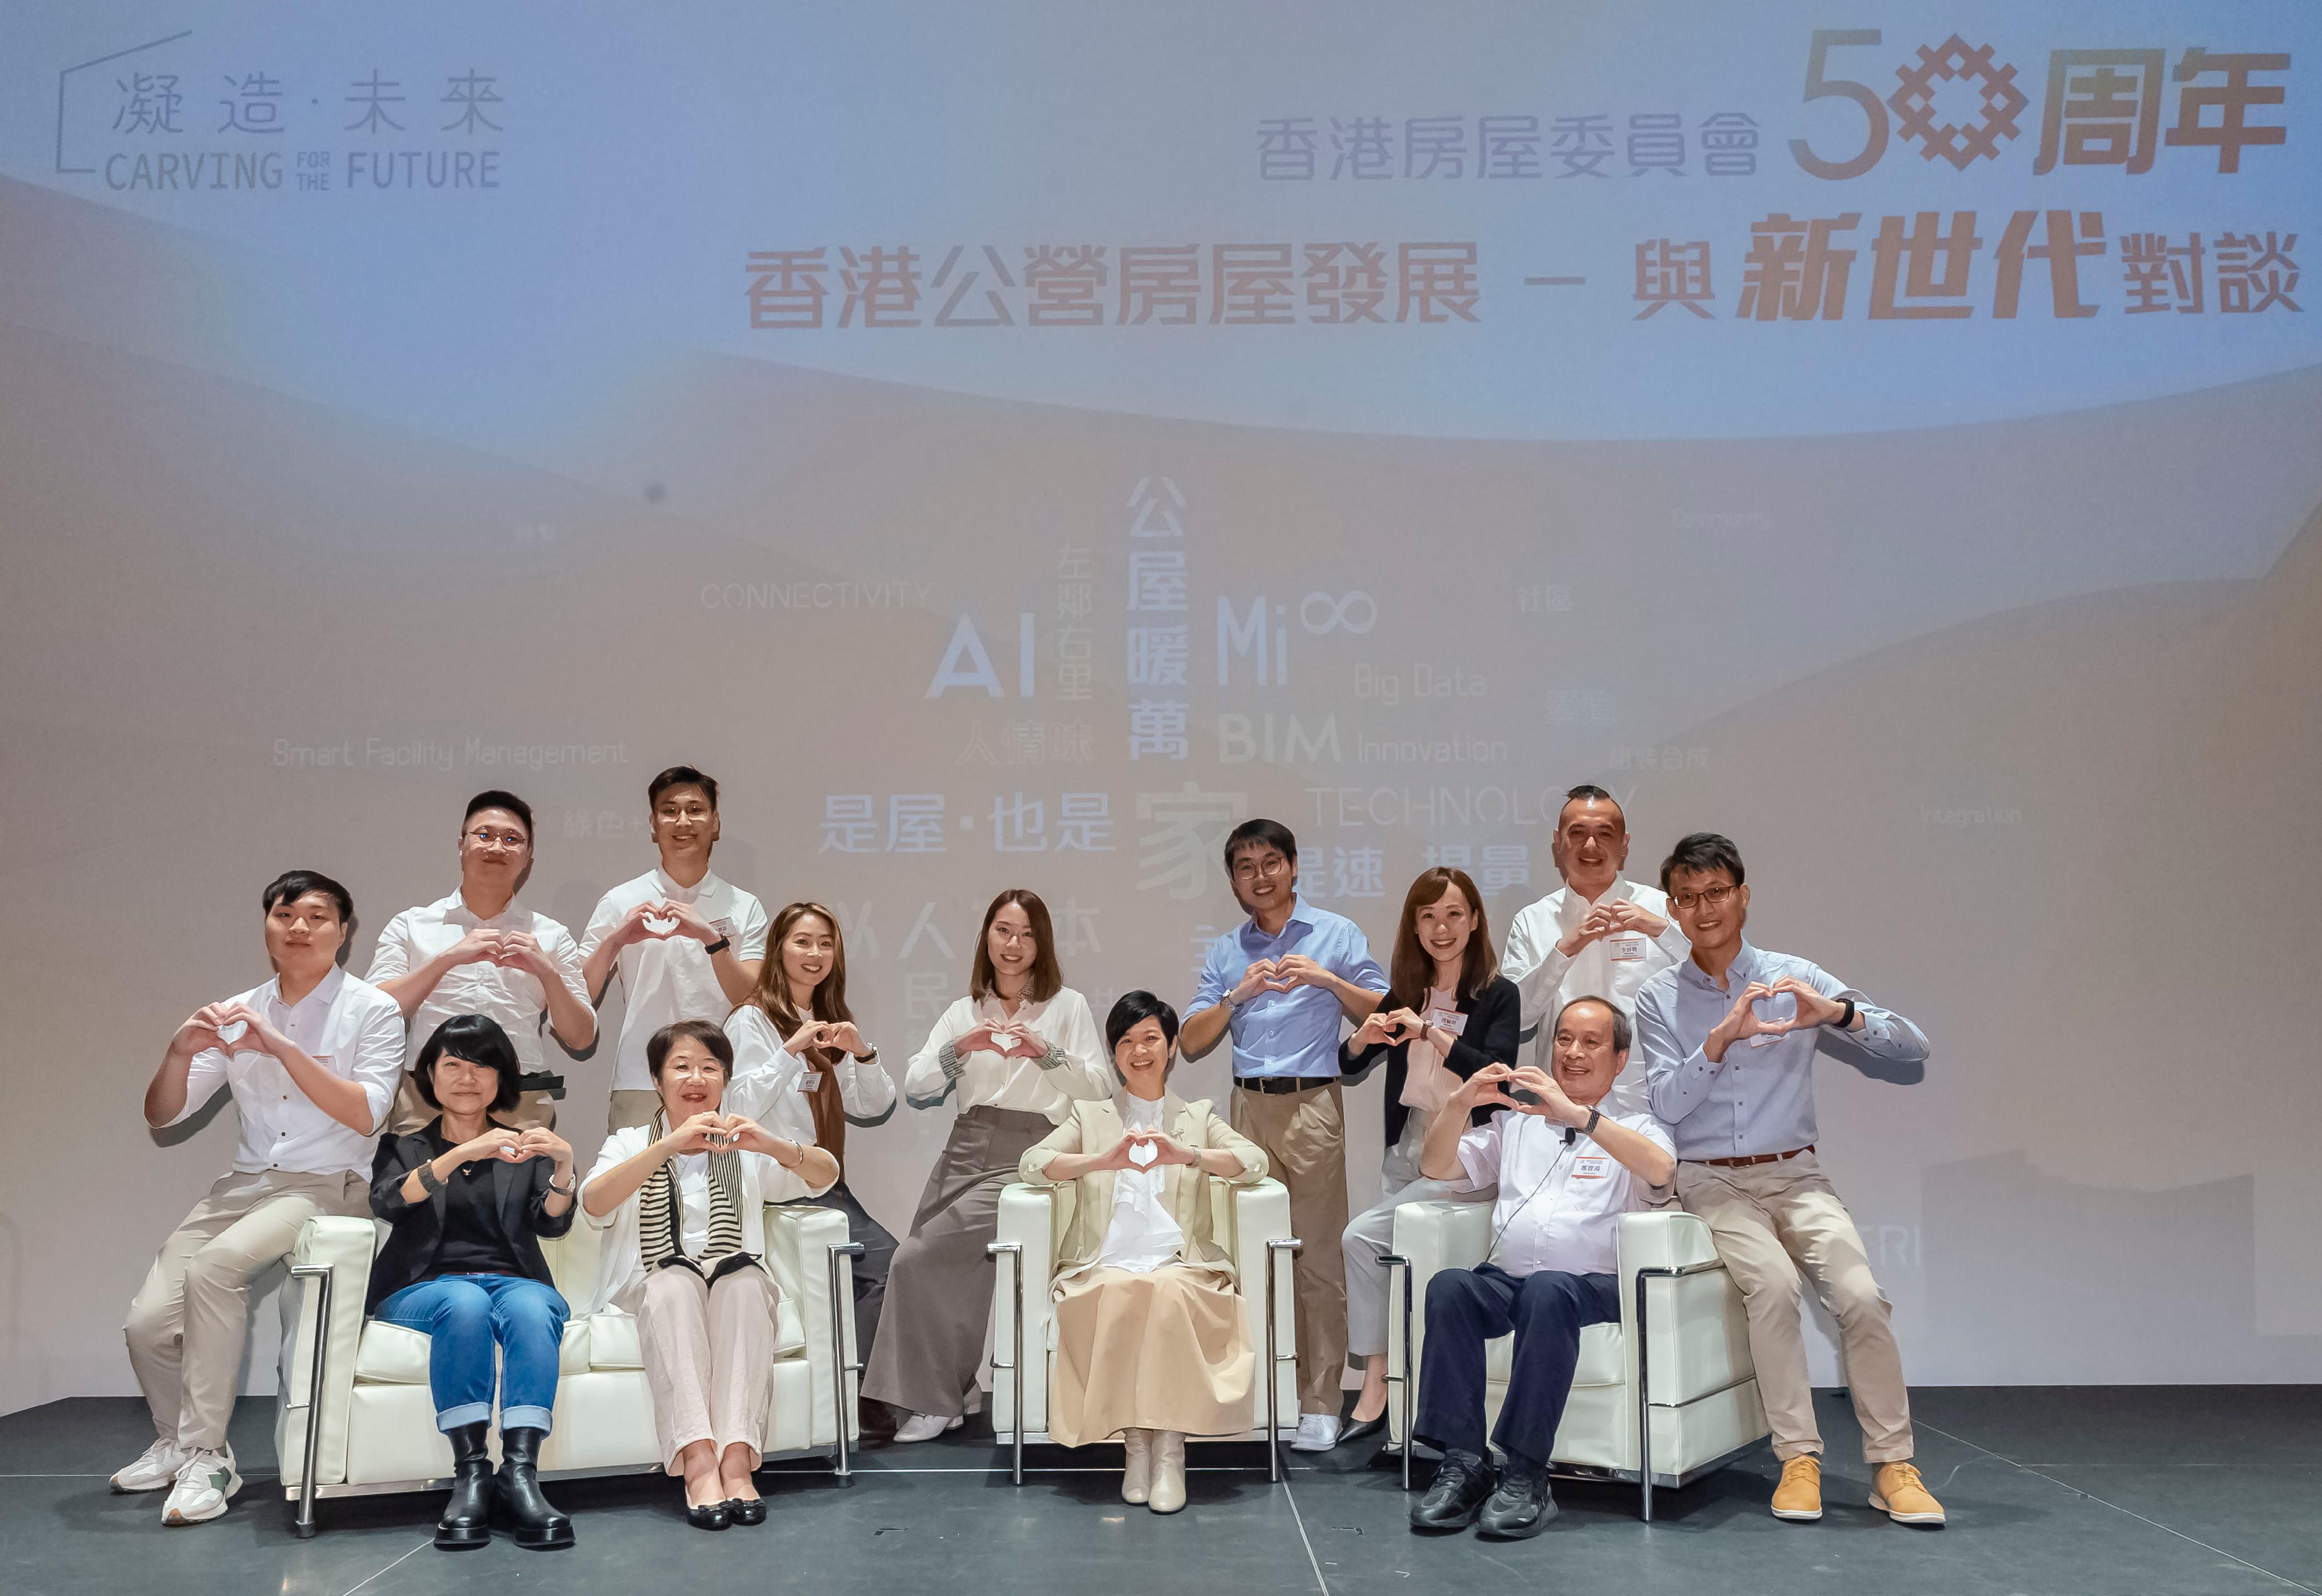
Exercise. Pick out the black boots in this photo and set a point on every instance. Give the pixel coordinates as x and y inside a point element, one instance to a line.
<point>519,1509</point>
<point>467,1520</point>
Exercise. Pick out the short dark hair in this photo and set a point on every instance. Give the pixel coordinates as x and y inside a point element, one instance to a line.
<point>1589,792</point>
<point>1623,1033</point>
<point>292,885</point>
<point>1700,853</point>
<point>1260,832</point>
<point>479,1039</point>
<point>720,1046</point>
<point>679,776</point>
<point>494,798</point>
<point>1133,1009</point>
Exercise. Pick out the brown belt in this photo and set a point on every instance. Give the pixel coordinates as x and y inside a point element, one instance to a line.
<point>1735,1164</point>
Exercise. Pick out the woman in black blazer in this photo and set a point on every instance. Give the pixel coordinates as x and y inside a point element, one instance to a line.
<point>1447,1013</point>
<point>469,1201</point>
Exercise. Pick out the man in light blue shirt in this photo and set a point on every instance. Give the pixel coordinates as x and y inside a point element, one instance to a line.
<point>1730,1038</point>
<point>1285,983</point>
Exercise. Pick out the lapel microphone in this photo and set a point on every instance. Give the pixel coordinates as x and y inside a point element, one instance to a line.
<point>1571,1135</point>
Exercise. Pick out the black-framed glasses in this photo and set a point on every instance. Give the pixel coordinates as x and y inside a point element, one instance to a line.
<point>1707,897</point>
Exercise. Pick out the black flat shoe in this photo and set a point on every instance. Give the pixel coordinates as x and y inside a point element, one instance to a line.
<point>751,1510</point>
<point>1358,1428</point>
<point>713,1517</point>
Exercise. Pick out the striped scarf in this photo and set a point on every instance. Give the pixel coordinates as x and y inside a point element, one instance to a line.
<point>659,1215</point>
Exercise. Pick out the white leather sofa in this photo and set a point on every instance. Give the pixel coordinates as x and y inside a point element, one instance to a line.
<point>1661,1398</point>
<point>1252,1222</point>
<point>373,1430</point>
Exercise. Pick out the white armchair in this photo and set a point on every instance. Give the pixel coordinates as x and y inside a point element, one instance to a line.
<point>373,1431</point>
<point>1665,1396</point>
<point>1252,1222</point>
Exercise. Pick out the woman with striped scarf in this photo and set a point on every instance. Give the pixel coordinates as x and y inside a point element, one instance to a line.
<point>683,1198</point>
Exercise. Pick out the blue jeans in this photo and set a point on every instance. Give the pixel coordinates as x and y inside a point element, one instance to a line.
<point>465,1315</point>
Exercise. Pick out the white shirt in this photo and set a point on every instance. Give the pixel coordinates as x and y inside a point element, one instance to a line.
<point>987,1080</point>
<point>1612,967</point>
<point>1142,1235</point>
<point>620,1267</point>
<point>1558,1206</point>
<point>348,1027</point>
<point>664,979</point>
<point>778,1087</point>
<point>516,998</point>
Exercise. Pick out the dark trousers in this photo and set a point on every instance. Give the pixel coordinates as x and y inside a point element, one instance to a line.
<point>870,1269</point>
<point>1467,1308</point>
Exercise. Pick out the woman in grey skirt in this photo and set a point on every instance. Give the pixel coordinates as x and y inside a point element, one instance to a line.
<point>1017,1050</point>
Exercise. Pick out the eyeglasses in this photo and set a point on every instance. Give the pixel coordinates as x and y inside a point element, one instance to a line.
<point>1272,864</point>
<point>1707,897</point>
<point>484,836</point>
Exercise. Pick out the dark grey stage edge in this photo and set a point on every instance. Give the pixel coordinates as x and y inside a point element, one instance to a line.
<point>2108,1492</point>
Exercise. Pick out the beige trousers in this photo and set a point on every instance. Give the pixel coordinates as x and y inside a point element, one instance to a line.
<point>1775,1223</point>
<point>191,1317</point>
<point>630,1108</point>
<point>1305,1135</point>
<point>709,1359</point>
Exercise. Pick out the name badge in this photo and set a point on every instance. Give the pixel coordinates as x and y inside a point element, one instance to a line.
<point>1596,1168</point>
<point>723,926</point>
<point>1624,949</point>
<point>1449,1019</point>
<point>810,1081</point>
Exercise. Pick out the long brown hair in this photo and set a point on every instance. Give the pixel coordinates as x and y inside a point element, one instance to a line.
<point>1411,971</point>
<point>1047,978</point>
<point>773,998</point>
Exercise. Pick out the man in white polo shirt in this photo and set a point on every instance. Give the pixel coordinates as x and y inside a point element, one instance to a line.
<point>686,944</point>
<point>312,1059</point>
<point>1566,1172</point>
<point>481,952</point>
<point>1599,935</point>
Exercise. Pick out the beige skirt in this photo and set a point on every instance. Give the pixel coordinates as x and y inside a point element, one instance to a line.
<point>1167,1350</point>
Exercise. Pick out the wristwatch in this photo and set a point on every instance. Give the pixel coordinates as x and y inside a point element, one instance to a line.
<point>429,1181</point>
<point>719,946</point>
<point>1589,1129</point>
<point>565,1191</point>
<point>1846,1020</point>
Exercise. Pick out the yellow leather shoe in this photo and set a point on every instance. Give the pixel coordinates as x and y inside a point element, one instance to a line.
<point>1799,1495</point>
<point>1898,1492</point>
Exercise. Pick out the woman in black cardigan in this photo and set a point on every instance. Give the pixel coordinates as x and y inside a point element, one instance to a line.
<point>469,1201</point>
<point>1447,1013</point>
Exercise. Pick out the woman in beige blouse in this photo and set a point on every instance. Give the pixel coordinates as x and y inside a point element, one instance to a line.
<point>1151,1342</point>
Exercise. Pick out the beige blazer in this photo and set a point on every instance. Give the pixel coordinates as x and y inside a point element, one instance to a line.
<point>1085,1207</point>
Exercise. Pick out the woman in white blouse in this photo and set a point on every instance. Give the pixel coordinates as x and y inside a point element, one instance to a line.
<point>683,1199</point>
<point>1152,1345</point>
<point>796,1047</point>
<point>1017,1050</point>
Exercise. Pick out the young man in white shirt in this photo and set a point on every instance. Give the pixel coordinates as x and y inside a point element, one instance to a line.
<point>1598,936</point>
<point>312,1059</point>
<point>686,944</point>
<point>481,952</point>
<point>1566,1172</point>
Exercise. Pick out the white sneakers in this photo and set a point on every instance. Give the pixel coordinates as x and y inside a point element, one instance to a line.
<point>157,1467</point>
<point>205,1483</point>
<point>1316,1432</point>
<point>925,1426</point>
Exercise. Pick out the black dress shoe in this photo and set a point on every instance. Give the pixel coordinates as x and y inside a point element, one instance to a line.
<point>713,1516</point>
<point>467,1520</point>
<point>1462,1482</point>
<point>1357,1428</point>
<point>519,1509</point>
<point>1523,1506</point>
<point>750,1510</point>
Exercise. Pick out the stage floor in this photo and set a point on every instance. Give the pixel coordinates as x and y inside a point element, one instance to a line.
<point>2112,1491</point>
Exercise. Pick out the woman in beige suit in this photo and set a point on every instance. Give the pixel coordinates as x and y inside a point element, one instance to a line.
<point>1151,1342</point>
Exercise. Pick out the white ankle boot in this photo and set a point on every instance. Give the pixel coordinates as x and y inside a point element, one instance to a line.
<point>1136,1474</point>
<point>1168,1491</point>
